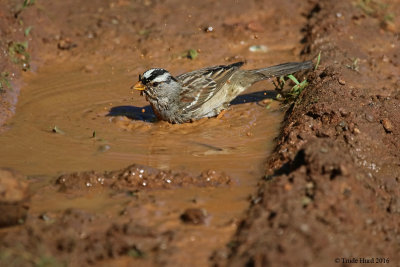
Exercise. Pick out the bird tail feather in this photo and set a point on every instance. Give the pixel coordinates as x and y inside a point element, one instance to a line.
<point>282,69</point>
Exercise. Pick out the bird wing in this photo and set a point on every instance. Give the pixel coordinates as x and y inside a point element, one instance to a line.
<point>201,85</point>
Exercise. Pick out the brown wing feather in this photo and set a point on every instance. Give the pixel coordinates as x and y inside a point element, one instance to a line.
<point>201,85</point>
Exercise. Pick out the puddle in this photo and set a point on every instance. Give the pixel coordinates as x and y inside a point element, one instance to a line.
<point>80,103</point>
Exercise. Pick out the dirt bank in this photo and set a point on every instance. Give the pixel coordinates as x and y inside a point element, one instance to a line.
<point>331,191</point>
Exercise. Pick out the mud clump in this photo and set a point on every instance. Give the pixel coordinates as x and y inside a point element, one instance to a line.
<point>136,177</point>
<point>66,44</point>
<point>14,198</point>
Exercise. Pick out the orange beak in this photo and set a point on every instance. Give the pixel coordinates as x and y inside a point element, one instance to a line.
<point>139,86</point>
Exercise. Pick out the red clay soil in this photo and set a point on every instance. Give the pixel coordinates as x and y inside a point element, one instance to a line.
<point>331,195</point>
<point>331,192</point>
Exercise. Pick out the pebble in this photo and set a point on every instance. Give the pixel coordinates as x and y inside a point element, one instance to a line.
<point>343,112</point>
<point>324,150</point>
<point>306,200</point>
<point>341,81</point>
<point>304,228</point>
<point>287,187</point>
<point>387,125</point>
<point>343,125</point>
<point>88,68</point>
<point>45,217</point>
<point>103,148</point>
<point>65,44</point>
<point>390,26</point>
<point>209,29</point>
<point>369,221</point>
<point>369,117</point>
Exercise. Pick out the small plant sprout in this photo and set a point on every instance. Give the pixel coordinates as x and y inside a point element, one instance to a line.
<point>298,88</point>
<point>354,65</point>
<point>28,30</point>
<point>318,60</point>
<point>18,54</point>
<point>192,53</point>
<point>389,17</point>
<point>4,81</point>
<point>28,3</point>
<point>293,93</point>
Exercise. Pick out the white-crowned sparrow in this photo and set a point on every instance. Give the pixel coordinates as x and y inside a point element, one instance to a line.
<point>204,92</point>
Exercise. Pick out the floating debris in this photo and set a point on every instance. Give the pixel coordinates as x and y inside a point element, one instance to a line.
<point>258,48</point>
<point>103,148</point>
<point>57,130</point>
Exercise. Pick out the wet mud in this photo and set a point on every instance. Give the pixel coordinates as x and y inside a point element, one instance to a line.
<point>99,181</point>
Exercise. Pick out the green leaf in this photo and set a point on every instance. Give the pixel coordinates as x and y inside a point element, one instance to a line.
<point>318,60</point>
<point>290,76</point>
<point>28,3</point>
<point>28,30</point>
<point>192,53</point>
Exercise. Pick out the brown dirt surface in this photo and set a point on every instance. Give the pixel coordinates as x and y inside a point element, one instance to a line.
<point>332,189</point>
<point>14,198</point>
<point>328,194</point>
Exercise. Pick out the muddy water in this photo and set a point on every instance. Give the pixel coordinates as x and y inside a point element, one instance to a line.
<point>79,101</point>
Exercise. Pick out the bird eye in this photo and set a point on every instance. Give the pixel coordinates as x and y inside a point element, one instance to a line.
<point>155,84</point>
